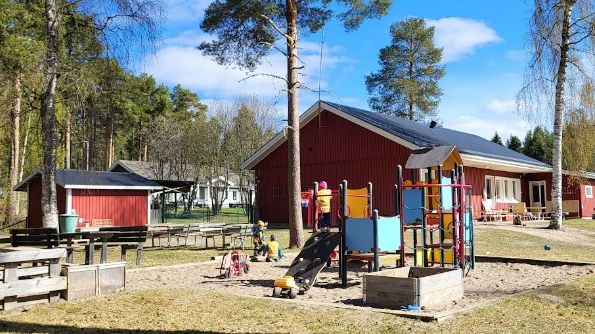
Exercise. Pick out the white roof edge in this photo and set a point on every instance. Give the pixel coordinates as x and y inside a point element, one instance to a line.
<point>480,159</point>
<point>306,117</point>
<point>588,175</point>
<point>101,187</point>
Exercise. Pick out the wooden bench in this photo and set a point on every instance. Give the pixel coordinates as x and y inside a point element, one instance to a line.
<point>238,234</point>
<point>127,237</point>
<point>35,237</point>
<point>30,275</point>
<point>191,230</point>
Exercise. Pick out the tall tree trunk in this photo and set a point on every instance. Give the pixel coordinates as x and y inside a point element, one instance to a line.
<point>91,147</point>
<point>411,113</point>
<point>110,141</point>
<point>556,221</point>
<point>67,151</point>
<point>140,141</point>
<point>49,207</point>
<point>22,162</point>
<point>12,204</point>
<point>296,235</point>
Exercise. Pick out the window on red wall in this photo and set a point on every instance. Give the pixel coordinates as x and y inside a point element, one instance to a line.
<point>588,191</point>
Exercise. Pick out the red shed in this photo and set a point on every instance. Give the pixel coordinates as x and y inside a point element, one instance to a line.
<point>339,142</point>
<point>123,198</point>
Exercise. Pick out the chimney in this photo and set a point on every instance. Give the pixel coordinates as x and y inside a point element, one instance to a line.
<point>433,124</point>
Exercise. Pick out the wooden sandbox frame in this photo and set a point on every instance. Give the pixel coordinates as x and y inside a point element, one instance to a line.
<point>417,286</point>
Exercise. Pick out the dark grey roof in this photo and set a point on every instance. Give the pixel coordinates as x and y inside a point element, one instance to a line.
<point>96,179</point>
<point>153,171</point>
<point>428,157</point>
<point>423,136</point>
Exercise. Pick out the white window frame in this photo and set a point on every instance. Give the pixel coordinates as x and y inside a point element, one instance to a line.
<point>503,189</point>
<point>588,191</point>
<point>492,193</point>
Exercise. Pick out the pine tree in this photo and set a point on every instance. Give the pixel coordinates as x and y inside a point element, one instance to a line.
<point>246,31</point>
<point>407,83</point>
<point>515,144</point>
<point>496,139</point>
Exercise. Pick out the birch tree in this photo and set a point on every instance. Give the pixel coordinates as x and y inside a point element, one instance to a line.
<point>247,30</point>
<point>125,26</point>
<point>561,37</point>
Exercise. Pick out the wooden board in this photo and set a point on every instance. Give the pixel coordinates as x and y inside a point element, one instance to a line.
<point>413,286</point>
<point>112,278</point>
<point>29,254</point>
<point>85,281</point>
<point>33,286</point>
<point>312,258</point>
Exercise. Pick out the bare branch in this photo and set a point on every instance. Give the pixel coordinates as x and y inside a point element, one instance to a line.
<point>276,27</point>
<point>266,75</point>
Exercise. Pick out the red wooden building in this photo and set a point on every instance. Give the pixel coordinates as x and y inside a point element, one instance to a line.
<point>122,198</point>
<point>339,142</point>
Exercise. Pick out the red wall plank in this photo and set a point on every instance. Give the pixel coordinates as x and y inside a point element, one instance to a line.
<point>339,151</point>
<point>123,207</point>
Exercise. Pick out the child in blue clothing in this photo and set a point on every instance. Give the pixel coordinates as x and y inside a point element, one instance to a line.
<point>258,238</point>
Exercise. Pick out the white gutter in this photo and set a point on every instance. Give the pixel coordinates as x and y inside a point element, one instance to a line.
<point>498,164</point>
<point>101,187</point>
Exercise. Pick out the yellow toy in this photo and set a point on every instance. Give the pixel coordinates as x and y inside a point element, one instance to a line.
<point>285,285</point>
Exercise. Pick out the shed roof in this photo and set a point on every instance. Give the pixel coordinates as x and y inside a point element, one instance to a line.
<point>430,157</point>
<point>83,179</point>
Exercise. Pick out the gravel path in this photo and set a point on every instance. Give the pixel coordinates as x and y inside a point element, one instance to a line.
<point>487,281</point>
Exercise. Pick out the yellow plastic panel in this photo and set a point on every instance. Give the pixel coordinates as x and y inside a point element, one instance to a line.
<point>357,203</point>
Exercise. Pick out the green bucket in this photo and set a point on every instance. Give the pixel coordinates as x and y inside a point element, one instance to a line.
<point>68,223</point>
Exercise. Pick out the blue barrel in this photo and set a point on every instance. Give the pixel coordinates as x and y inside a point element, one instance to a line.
<point>68,223</point>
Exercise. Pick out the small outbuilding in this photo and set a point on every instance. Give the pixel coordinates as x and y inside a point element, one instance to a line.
<point>122,199</point>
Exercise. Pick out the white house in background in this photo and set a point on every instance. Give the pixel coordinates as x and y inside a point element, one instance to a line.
<point>232,195</point>
<point>176,186</point>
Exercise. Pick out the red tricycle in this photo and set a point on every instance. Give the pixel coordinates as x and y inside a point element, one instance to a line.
<point>234,263</point>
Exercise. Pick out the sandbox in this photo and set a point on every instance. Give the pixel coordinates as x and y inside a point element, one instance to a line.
<point>415,286</point>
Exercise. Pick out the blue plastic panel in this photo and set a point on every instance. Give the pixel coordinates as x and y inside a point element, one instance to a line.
<point>446,194</point>
<point>413,210</point>
<point>389,234</point>
<point>359,234</point>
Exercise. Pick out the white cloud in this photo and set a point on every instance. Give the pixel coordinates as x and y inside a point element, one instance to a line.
<point>460,37</point>
<point>180,62</point>
<point>501,107</point>
<point>485,126</point>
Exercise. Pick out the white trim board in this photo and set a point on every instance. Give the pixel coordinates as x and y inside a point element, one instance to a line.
<point>102,187</point>
<point>470,160</point>
<point>305,118</point>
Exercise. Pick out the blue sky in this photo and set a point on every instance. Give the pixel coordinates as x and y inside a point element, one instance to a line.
<point>484,56</point>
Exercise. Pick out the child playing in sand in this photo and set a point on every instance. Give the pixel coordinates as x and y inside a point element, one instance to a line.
<point>258,238</point>
<point>273,250</point>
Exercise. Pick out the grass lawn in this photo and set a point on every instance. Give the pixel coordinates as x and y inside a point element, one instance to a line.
<point>509,243</point>
<point>582,224</point>
<point>564,308</point>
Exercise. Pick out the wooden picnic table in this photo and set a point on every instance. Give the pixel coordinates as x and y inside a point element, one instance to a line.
<point>88,238</point>
<point>159,230</point>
